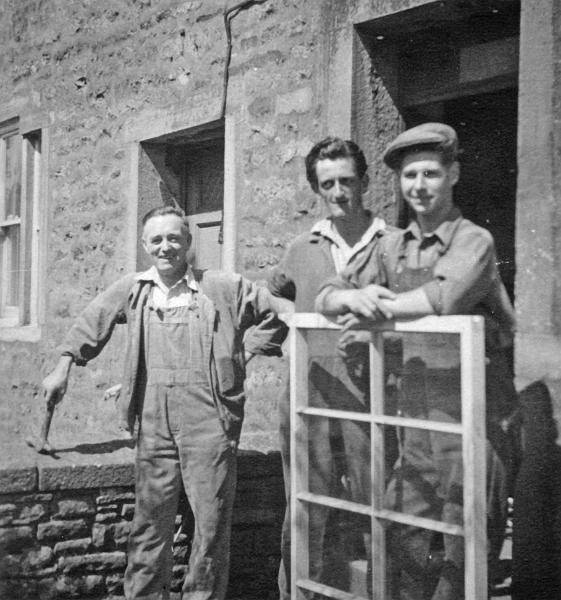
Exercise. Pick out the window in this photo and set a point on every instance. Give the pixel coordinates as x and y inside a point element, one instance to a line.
<point>20,162</point>
<point>186,168</point>
<point>437,368</point>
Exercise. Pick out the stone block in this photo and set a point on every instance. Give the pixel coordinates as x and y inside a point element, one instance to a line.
<point>7,512</point>
<point>90,585</point>
<point>99,535</point>
<point>74,508</point>
<point>30,514</point>
<point>13,539</point>
<point>106,517</point>
<point>32,498</point>
<point>46,589</point>
<point>127,511</point>
<point>11,565</point>
<point>119,533</point>
<point>80,546</point>
<point>114,584</point>
<point>299,101</point>
<point>85,476</point>
<point>53,530</point>
<point>114,496</point>
<point>99,561</point>
<point>39,559</point>
<point>18,480</point>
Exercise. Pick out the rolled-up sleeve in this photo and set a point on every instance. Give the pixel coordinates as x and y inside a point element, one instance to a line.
<point>463,276</point>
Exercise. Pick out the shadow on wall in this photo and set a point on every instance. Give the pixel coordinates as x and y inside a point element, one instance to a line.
<point>537,501</point>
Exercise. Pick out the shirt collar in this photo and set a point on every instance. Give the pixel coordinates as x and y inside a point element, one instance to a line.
<point>152,275</point>
<point>325,229</point>
<point>444,232</point>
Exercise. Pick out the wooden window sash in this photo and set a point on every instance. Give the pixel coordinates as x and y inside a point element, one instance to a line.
<point>472,430</point>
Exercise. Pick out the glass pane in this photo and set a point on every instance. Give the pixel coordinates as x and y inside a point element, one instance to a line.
<point>339,546</point>
<point>427,479</point>
<point>423,376</point>
<point>13,176</point>
<point>339,459</point>
<point>204,178</point>
<point>13,247</point>
<point>424,564</point>
<point>10,258</point>
<point>335,381</point>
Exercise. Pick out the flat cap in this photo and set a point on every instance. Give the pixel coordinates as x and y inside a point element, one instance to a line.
<point>440,135</point>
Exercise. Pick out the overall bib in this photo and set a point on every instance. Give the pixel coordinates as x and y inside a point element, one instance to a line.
<point>181,442</point>
<point>428,476</point>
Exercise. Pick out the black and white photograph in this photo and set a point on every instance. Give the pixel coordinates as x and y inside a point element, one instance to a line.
<point>280,300</point>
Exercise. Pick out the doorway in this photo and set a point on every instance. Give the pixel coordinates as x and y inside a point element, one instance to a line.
<point>486,194</point>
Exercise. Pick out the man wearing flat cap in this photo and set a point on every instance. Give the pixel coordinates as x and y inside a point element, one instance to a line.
<point>441,264</point>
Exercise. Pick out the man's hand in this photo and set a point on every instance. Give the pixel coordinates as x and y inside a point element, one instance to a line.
<point>368,302</point>
<point>113,393</point>
<point>56,382</point>
<point>349,341</point>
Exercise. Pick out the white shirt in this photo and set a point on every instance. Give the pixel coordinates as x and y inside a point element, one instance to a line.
<point>179,294</point>
<point>340,250</point>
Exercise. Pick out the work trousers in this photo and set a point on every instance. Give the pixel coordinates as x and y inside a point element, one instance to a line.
<point>339,459</point>
<point>428,482</point>
<point>181,442</point>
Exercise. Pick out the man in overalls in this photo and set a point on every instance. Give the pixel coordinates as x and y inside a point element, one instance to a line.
<point>441,264</point>
<point>336,170</point>
<point>184,375</point>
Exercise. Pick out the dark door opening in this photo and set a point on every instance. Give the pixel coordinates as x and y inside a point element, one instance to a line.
<point>486,193</point>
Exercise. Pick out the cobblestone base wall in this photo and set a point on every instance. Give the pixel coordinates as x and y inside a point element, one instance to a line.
<point>71,543</point>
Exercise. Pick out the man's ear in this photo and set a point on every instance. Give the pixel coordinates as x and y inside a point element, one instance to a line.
<point>454,173</point>
<point>364,183</point>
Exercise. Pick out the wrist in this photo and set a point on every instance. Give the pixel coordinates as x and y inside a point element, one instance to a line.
<point>64,364</point>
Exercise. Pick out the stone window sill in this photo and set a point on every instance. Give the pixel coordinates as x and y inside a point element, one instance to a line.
<point>24,333</point>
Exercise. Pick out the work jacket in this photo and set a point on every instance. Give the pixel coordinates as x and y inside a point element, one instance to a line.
<point>228,305</point>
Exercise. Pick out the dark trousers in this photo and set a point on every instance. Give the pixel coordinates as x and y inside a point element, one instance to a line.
<point>339,463</point>
<point>428,476</point>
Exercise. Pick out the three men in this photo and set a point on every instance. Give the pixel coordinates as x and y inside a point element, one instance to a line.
<point>336,171</point>
<point>441,264</point>
<point>184,375</point>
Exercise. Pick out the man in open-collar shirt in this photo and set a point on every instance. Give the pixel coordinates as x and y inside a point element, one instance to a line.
<point>336,171</point>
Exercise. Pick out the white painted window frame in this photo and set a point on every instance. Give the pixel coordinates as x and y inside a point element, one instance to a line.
<point>26,314</point>
<point>472,429</point>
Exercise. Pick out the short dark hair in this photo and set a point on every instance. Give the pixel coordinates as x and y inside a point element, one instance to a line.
<point>166,209</point>
<point>332,148</point>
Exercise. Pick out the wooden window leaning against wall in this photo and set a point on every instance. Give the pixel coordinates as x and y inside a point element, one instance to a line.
<point>469,334</point>
<point>20,162</point>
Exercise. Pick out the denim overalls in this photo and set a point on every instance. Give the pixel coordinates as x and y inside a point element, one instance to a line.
<point>181,441</point>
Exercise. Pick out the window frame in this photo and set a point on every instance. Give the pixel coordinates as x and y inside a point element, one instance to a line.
<point>471,429</point>
<point>21,320</point>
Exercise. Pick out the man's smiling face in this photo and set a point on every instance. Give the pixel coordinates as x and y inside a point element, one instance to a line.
<point>166,240</point>
<point>426,183</point>
<point>340,187</point>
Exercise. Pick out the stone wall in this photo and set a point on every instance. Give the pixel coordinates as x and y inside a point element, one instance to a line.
<point>98,78</point>
<point>63,531</point>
